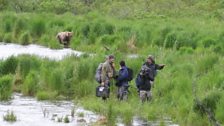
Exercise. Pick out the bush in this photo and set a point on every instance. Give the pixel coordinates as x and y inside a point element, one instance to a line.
<point>209,103</point>
<point>10,117</point>
<point>66,119</point>
<point>8,24</point>
<point>206,63</point>
<point>207,42</point>
<point>219,110</point>
<point>187,50</point>
<point>25,38</point>
<point>171,40</point>
<point>85,30</point>
<point>108,39</point>
<point>5,87</point>
<point>9,66</point>
<point>20,25</point>
<point>27,63</point>
<point>57,80</point>
<point>83,89</point>
<point>7,38</point>
<point>38,28</point>
<point>211,100</point>
<point>46,95</point>
<point>30,85</point>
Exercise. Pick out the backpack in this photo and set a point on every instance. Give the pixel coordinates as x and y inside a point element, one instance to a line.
<point>139,81</point>
<point>130,74</point>
<point>98,73</point>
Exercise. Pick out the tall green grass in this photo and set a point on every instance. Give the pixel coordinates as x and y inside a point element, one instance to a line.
<point>94,31</point>
<point>5,87</point>
<point>8,66</point>
<point>30,85</point>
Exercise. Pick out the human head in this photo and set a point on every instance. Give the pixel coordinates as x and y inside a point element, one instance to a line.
<point>122,63</point>
<point>111,58</point>
<point>69,34</point>
<point>150,59</point>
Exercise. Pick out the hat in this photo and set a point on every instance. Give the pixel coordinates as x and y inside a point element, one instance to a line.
<point>151,57</point>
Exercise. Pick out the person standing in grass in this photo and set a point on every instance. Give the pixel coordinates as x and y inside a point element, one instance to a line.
<point>108,72</point>
<point>122,82</point>
<point>147,76</point>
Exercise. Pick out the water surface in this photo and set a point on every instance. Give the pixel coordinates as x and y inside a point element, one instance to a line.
<point>10,49</point>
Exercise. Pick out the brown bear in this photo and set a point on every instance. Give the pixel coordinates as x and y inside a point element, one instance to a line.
<point>64,38</point>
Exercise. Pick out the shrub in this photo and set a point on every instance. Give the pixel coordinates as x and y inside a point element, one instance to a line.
<point>57,80</point>
<point>5,87</point>
<point>10,117</point>
<point>30,85</point>
<point>66,120</point>
<point>219,111</point>
<point>207,42</point>
<point>7,38</point>
<point>46,95</point>
<point>28,63</point>
<point>80,114</point>
<point>38,28</point>
<point>187,50</point>
<point>1,37</point>
<point>85,30</point>
<point>171,40</point>
<point>8,24</point>
<point>111,115</point>
<point>9,66</point>
<point>108,39</point>
<point>20,25</point>
<point>161,35</point>
<point>206,63</point>
<point>25,38</point>
<point>209,102</point>
<point>83,89</point>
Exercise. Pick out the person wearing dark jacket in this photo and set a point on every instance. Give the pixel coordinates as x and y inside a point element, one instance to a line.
<point>147,75</point>
<point>122,82</point>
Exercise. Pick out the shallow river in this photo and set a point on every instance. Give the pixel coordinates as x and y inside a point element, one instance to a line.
<point>30,112</point>
<point>10,49</point>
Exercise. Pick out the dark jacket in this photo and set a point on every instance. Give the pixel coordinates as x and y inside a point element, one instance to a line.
<point>122,77</point>
<point>148,73</point>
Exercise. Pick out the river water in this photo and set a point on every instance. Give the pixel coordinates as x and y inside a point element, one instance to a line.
<point>10,49</point>
<point>31,112</point>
